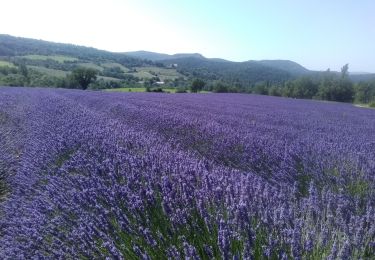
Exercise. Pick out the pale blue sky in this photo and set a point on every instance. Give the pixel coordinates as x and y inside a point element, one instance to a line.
<point>317,34</point>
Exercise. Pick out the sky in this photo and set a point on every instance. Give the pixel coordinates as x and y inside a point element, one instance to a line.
<point>318,34</point>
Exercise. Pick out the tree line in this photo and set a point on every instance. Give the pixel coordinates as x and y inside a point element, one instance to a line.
<point>329,86</point>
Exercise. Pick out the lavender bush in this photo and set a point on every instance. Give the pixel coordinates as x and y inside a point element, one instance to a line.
<point>157,176</point>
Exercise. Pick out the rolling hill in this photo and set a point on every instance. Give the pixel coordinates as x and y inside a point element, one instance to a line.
<point>287,65</point>
<point>187,59</point>
<point>154,56</point>
<point>244,73</point>
<point>17,46</point>
<point>49,63</point>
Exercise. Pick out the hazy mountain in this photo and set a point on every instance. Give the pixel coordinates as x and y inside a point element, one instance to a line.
<point>357,77</point>
<point>17,46</point>
<point>287,65</point>
<point>245,73</point>
<point>154,56</point>
<point>359,73</point>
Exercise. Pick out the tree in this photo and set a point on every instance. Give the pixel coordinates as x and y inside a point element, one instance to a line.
<point>197,85</point>
<point>220,87</point>
<point>365,92</point>
<point>274,91</point>
<point>23,70</point>
<point>287,90</point>
<point>261,88</point>
<point>304,87</point>
<point>334,88</point>
<point>344,71</point>
<point>16,80</point>
<point>337,90</point>
<point>84,76</point>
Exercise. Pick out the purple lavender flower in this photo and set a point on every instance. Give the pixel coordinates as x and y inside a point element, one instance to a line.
<point>345,252</point>
<point>110,175</point>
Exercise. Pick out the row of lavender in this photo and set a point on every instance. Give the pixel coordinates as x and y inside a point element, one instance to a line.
<point>201,176</point>
<point>279,138</point>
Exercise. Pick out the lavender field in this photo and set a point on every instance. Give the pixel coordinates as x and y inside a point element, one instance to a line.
<point>90,175</point>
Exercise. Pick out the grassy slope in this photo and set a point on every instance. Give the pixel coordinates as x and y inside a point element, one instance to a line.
<point>90,65</point>
<point>108,78</point>
<point>114,64</point>
<point>50,72</point>
<point>141,72</point>
<point>5,63</point>
<point>62,73</point>
<point>364,106</point>
<point>58,58</point>
<point>162,73</point>
<point>38,55</point>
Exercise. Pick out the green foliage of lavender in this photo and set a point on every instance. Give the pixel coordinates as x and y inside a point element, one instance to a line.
<point>92,175</point>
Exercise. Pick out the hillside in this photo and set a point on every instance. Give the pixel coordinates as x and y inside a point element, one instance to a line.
<point>244,73</point>
<point>50,64</point>
<point>154,56</point>
<point>362,77</point>
<point>17,46</point>
<point>287,65</point>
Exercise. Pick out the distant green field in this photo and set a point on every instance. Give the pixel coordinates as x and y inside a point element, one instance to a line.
<point>141,74</point>
<point>170,90</point>
<point>5,63</point>
<point>114,64</point>
<point>108,78</point>
<point>90,65</point>
<point>50,72</point>
<point>58,58</point>
<point>162,73</point>
<point>372,105</point>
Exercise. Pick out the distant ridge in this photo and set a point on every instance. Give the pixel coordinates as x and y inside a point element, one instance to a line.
<point>290,66</point>
<point>154,56</point>
<point>285,65</point>
<point>143,66</point>
<point>19,46</point>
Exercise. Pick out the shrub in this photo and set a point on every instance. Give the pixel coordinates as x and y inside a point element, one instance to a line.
<point>181,90</point>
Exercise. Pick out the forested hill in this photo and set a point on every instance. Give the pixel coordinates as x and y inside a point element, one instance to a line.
<point>243,73</point>
<point>238,73</point>
<point>30,62</point>
<point>154,56</point>
<point>290,66</point>
<point>17,46</point>
<point>188,60</point>
<point>48,62</point>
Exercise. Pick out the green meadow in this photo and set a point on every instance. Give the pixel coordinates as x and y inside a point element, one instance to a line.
<point>58,58</point>
<point>5,63</point>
